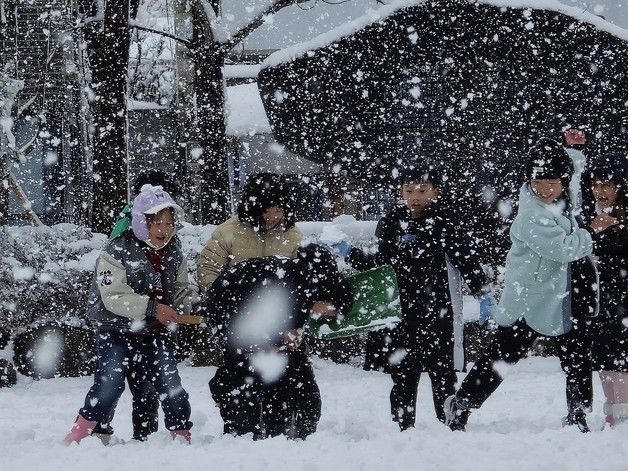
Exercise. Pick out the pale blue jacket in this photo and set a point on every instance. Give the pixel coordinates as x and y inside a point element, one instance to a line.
<point>537,282</point>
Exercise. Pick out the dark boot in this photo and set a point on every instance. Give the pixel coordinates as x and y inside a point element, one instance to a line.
<point>577,418</point>
<point>104,432</point>
<point>144,424</point>
<point>456,415</point>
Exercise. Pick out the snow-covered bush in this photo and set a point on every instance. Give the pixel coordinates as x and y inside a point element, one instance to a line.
<point>45,273</point>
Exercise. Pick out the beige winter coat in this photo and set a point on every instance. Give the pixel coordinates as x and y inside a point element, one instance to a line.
<point>234,241</point>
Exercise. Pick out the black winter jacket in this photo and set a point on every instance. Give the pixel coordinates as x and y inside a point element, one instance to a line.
<point>253,304</point>
<point>428,254</point>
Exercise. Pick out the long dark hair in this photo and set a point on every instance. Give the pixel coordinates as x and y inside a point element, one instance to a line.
<point>261,192</point>
<point>606,167</point>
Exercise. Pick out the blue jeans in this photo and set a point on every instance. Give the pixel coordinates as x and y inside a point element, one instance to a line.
<point>119,352</point>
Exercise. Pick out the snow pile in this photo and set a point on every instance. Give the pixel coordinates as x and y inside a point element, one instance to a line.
<point>518,428</point>
<point>45,272</point>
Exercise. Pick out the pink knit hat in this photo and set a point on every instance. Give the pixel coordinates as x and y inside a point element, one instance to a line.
<point>150,200</point>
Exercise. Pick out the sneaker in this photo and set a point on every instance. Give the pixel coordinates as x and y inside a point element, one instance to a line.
<point>108,439</point>
<point>578,418</point>
<point>455,416</point>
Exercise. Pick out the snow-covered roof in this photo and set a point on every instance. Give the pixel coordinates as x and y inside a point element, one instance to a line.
<point>245,112</point>
<point>144,105</point>
<point>241,70</point>
<point>372,16</point>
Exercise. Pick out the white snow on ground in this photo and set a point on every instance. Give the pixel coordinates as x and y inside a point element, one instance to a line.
<point>517,429</point>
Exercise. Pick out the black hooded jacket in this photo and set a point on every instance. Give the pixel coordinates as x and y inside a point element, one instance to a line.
<point>419,251</point>
<point>253,304</point>
<point>611,245</point>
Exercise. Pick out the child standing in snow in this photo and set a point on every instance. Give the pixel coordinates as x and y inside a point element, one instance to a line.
<point>145,400</point>
<point>266,385</point>
<point>605,191</point>
<point>140,285</point>
<point>550,288</point>
<point>431,257</point>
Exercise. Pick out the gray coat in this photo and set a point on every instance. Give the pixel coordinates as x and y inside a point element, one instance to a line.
<point>124,280</point>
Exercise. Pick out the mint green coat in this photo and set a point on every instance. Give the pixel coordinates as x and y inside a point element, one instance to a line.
<point>537,284</point>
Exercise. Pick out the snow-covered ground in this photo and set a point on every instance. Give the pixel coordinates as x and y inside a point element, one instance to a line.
<point>517,429</point>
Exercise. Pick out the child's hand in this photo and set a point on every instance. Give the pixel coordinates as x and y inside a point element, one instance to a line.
<point>488,307</point>
<point>165,314</point>
<point>323,309</point>
<point>292,339</point>
<point>602,222</point>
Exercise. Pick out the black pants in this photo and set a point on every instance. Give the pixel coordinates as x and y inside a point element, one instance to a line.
<point>290,406</point>
<point>511,344</point>
<point>406,377</point>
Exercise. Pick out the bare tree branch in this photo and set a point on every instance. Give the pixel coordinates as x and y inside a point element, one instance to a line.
<point>26,148</point>
<point>26,105</point>
<point>185,42</point>
<point>23,200</point>
<point>255,23</point>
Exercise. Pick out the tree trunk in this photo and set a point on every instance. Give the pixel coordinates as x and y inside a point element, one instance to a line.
<point>109,64</point>
<point>210,102</point>
<point>7,56</point>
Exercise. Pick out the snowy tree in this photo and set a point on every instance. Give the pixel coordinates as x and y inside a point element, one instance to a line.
<point>212,39</point>
<point>107,36</point>
<point>9,87</point>
<point>107,28</point>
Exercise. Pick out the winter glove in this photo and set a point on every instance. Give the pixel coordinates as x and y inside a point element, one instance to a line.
<point>341,248</point>
<point>488,307</point>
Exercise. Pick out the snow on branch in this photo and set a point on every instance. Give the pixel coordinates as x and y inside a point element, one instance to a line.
<point>380,14</point>
<point>134,24</point>
<point>9,88</point>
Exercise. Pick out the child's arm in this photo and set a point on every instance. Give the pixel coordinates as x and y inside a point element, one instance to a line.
<point>364,259</point>
<point>547,238</point>
<point>117,296</point>
<point>185,296</point>
<point>213,259</point>
<point>612,241</point>
<point>459,248</point>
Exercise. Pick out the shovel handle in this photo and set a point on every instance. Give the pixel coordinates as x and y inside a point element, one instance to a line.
<point>190,319</point>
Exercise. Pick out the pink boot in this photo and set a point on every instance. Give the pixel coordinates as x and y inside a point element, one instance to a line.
<point>615,386</point>
<point>184,434</point>
<point>609,421</point>
<point>82,428</point>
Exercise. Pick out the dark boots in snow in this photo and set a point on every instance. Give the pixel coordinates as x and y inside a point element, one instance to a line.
<point>144,424</point>
<point>456,415</point>
<point>577,418</point>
